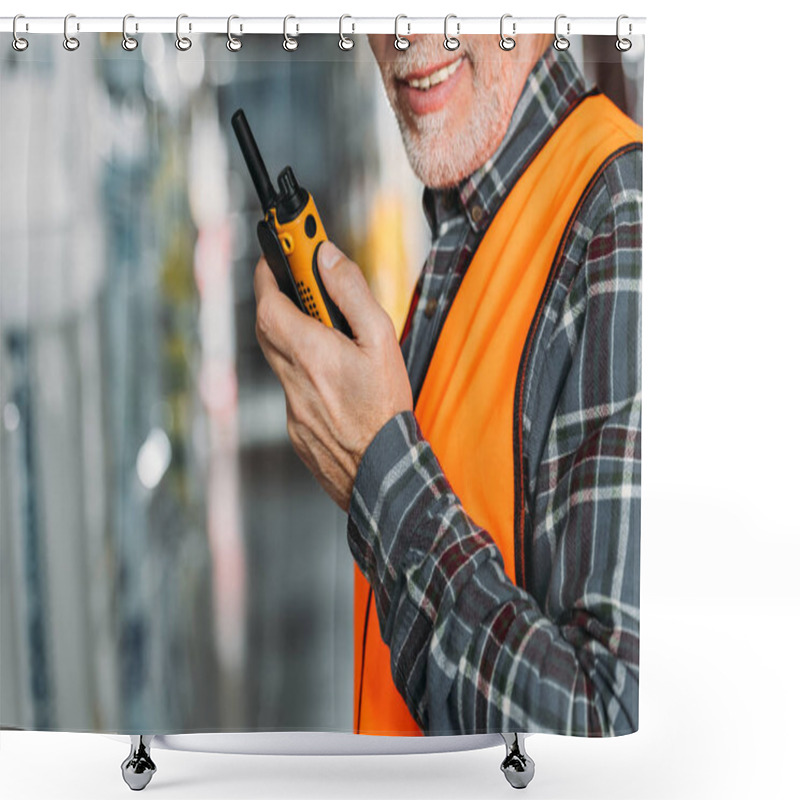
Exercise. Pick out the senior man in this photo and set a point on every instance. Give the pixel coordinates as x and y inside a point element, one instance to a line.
<point>490,461</point>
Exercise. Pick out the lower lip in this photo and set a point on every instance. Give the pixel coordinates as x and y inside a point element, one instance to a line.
<point>426,101</point>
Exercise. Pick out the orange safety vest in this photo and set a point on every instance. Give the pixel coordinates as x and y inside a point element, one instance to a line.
<point>470,384</point>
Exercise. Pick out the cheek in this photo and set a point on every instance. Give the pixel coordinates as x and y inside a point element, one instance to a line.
<point>497,87</point>
<point>491,75</point>
<point>465,105</point>
<point>475,91</point>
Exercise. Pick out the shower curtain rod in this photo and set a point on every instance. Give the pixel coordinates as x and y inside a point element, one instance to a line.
<point>296,25</point>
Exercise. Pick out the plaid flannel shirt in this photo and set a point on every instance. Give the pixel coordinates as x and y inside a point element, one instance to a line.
<point>472,652</point>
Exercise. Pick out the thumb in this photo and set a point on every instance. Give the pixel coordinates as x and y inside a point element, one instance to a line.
<point>348,288</point>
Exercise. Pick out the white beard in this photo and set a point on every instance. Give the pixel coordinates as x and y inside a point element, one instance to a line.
<point>442,157</point>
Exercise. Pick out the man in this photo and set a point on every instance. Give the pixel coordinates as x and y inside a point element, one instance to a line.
<point>490,462</point>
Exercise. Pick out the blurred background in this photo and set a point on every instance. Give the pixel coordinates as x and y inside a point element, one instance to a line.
<point>167,564</point>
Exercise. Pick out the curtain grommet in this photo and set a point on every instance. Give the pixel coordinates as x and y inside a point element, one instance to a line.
<point>560,42</point>
<point>183,43</point>
<point>507,42</point>
<point>622,44</point>
<point>234,44</point>
<point>451,42</point>
<point>128,42</point>
<point>400,42</point>
<point>345,42</point>
<point>289,42</point>
<point>70,43</point>
<point>18,43</point>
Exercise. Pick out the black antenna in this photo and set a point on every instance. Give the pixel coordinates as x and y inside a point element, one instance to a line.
<point>252,156</point>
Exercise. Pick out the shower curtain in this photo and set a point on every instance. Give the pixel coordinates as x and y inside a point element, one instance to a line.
<point>179,551</point>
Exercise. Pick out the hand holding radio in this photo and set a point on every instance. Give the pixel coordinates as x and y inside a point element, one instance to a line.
<point>339,392</point>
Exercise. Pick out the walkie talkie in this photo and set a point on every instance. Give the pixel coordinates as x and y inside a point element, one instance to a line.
<point>290,233</point>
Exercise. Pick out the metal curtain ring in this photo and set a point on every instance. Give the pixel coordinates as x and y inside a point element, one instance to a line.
<point>400,42</point>
<point>289,43</point>
<point>506,42</point>
<point>70,42</point>
<point>128,42</point>
<point>561,42</point>
<point>183,43</point>
<point>18,43</point>
<point>623,45</point>
<point>451,42</point>
<point>233,44</point>
<point>345,43</point>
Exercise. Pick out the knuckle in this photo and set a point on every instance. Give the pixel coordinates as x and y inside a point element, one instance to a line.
<point>303,356</point>
<point>291,429</point>
<point>264,320</point>
<point>297,435</point>
<point>340,260</point>
<point>292,424</point>
<point>388,327</point>
<point>384,330</point>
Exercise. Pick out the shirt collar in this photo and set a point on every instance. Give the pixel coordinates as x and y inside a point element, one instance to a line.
<point>553,86</point>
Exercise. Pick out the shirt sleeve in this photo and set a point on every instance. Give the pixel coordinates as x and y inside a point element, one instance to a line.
<point>471,652</point>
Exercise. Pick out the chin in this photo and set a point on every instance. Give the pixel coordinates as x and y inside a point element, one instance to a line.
<point>443,170</point>
<point>443,158</point>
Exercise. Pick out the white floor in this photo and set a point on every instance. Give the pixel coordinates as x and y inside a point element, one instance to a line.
<point>719,711</point>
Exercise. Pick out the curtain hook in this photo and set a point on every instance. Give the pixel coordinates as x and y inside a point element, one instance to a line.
<point>18,43</point>
<point>623,45</point>
<point>561,42</point>
<point>128,42</point>
<point>183,43</point>
<point>451,42</point>
<point>506,42</point>
<point>289,43</point>
<point>400,42</point>
<point>70,42</point>
<point>345,43</point>
<point>233,44</point>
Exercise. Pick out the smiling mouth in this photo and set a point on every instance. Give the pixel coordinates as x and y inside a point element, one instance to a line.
<point>427,82</point>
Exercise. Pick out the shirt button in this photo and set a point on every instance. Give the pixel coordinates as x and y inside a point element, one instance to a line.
<point>430,307</point>
<point>476,213</point>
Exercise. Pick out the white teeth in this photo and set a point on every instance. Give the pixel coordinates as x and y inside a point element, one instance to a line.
<point>435,78</point>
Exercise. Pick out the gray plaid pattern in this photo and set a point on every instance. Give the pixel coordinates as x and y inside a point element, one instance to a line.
<point>471,651</point>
